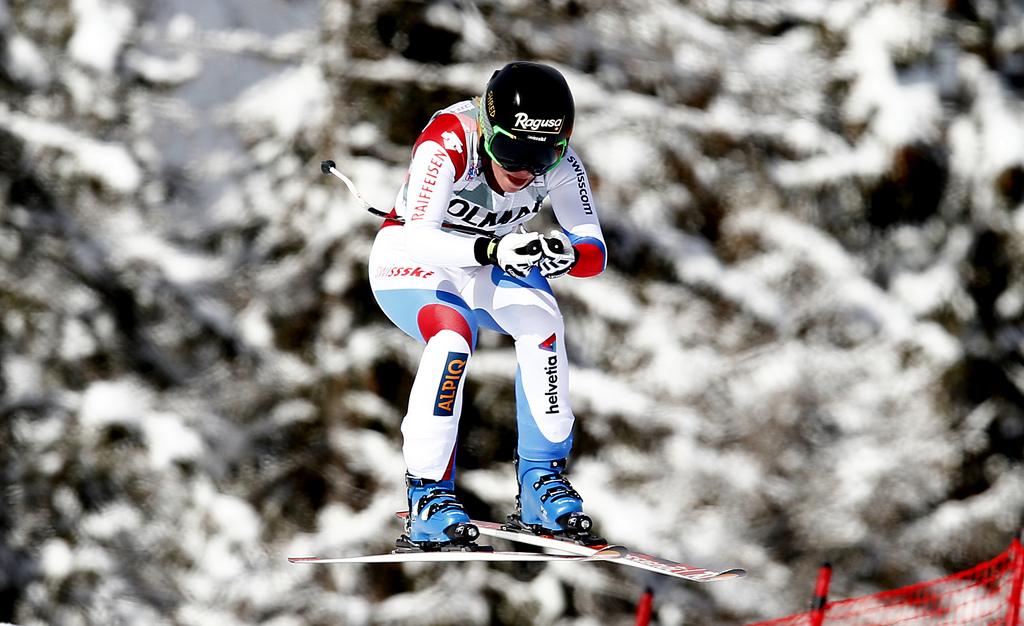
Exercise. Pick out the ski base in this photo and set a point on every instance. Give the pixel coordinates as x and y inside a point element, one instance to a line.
<point>522,533</point>
<point>570,548</point>
<point>605,554</point>
<point>638,560</point>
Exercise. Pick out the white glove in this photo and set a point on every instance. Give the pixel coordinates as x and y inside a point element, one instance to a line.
<point>558,255</point>
<point>516,253</point>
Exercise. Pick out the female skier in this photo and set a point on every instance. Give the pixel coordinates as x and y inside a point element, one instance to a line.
<point>488,163</point>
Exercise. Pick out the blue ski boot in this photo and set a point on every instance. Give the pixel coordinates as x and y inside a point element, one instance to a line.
<point>437,520</point>
<point>548,505</point>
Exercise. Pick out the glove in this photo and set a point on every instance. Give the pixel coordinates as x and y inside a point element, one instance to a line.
<point>558,255</point>
<point>516,253</point>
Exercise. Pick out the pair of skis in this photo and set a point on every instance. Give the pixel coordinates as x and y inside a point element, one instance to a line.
<point>568,551</point>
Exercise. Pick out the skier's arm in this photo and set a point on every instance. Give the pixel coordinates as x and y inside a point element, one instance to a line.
<point>439,158</point>
<point>431,179</point>
<point>574,208</point>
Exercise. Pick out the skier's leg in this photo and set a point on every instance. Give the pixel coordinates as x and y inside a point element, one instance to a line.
<point>528,311</point>
<point>423,301</point>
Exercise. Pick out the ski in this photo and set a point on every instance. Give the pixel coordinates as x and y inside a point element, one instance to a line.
<point>633,559</point>
<point>623,555</point>
<point>606,553</point>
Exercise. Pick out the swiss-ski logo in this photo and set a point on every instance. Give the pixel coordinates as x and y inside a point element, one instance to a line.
<point>391,271</point>
<point>550,344</point>
<point>525,122</point>
<point>455,366</point>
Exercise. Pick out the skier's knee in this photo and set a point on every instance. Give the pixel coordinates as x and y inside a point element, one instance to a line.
<point>433,318</point>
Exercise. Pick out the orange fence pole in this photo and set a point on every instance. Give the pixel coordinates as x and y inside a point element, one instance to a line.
<point>1017,561</point>
<point>821,594</point>
<point>643,610</point>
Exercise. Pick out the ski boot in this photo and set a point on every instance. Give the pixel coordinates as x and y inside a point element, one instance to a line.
<point>437,520</point>
<point>548,505</point>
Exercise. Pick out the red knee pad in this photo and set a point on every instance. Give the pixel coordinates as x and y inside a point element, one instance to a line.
<point>434,318</point>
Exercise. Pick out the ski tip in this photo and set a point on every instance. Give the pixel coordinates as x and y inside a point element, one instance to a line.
<point>303,559</point>
<point>326,166</point>
<point>609,552</point>
<point>729,574</point>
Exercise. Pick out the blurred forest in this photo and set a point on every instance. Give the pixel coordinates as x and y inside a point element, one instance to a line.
<point>808,343</point>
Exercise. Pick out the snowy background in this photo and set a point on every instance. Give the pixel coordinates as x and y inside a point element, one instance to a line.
<point>808,344</point>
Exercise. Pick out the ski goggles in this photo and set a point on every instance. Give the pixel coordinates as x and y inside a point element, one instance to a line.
<point>518,155</point>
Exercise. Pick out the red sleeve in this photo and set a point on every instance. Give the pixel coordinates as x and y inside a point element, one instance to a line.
<point>591,259</point>
<point>447,131</point>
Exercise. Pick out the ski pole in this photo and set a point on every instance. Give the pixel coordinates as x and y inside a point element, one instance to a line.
<point>330,167</point>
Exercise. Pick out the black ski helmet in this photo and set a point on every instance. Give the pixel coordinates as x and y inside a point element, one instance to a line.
<point>526,117</point>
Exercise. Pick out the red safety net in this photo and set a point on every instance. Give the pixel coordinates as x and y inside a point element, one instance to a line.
<point>985,595</point>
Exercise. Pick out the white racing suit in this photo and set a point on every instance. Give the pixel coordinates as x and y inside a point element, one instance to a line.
<point>430,282</point>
